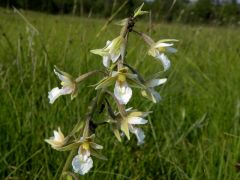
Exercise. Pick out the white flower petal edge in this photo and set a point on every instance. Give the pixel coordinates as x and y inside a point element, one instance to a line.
<point>155,95</point>
<point>137,120</point>
<point>122,92</point>
<point>58,135</point>
<point>165,61</point>
<point>62,77</point>
<point>157,45</point>
<point>82,166</point>
<point>156,82</point>
<point>139,133</point>
<point>106,61</point>
<point>171,50</point>
<point>56,92</point>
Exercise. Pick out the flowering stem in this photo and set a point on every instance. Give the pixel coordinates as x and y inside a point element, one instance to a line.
<point>68,162</point>
<point>92,126</point>
<point>124,33</point>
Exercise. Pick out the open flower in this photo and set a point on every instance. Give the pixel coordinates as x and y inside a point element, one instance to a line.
<point>112,50</point>
<point>149,91</point>
<point>160,48</point>
<point>58,139</point>
<point>83,162</point>
<point>68,86</point>
<point>121,79</point>
<point>128,122</point>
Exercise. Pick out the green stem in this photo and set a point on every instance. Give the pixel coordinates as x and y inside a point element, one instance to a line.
<point>89,116</point>
<point>68,162</point>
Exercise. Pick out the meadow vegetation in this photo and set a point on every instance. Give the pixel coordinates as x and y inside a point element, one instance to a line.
<point>192,134</point>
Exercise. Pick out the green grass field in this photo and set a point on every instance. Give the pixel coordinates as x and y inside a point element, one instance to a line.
<point>193,133</point>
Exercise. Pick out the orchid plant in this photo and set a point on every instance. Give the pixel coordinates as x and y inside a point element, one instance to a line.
<point>114,88</point>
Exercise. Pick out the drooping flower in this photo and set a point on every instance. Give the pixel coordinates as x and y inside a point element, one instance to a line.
<point>68,86</point>
<point>121,79</point>
<point>160,48</point>
<point>83,162</point>
<point>128,122</point>
<point>112,50</point>
<point>149,92</point>
<point>58,139</point>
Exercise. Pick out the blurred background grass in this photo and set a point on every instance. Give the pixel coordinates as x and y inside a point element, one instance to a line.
<point>193,132</point>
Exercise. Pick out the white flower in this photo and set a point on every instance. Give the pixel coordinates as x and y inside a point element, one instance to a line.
<point>150,93</point>
<point>81,164</point>
<point>159,49</point>
<point>132,121</point>
<point>68,87</point>
<point>122,92</point>
<point>129,122</point>
<point>58,140</point>
<point>112,50</point>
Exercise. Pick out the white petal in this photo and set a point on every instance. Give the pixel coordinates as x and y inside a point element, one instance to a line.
<point>84,153</point>
<point>157,45</point>
<point>56,92</point>
<point>66,90</point>
<point>57,136</point>
<point>115,57</point>
<point>155,95</point>
<point>139,134</point>
<point>80,166</point>
<point>123,93</point>
<point>62,77</point>
<point>128,109</point>
<point>171,50</point>
<point>156,82</point>
<point>108,43</point>
<point>137,120</point>
<point>106,61</point>
<point>165,61</point>
<point>115,73</point>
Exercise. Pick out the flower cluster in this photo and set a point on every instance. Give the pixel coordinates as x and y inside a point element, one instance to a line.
<point>116,86</point>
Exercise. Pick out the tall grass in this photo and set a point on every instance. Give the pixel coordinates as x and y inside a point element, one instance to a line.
<point>192,134</point>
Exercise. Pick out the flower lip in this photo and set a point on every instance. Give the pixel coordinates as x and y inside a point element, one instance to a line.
<point>81,165</point>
